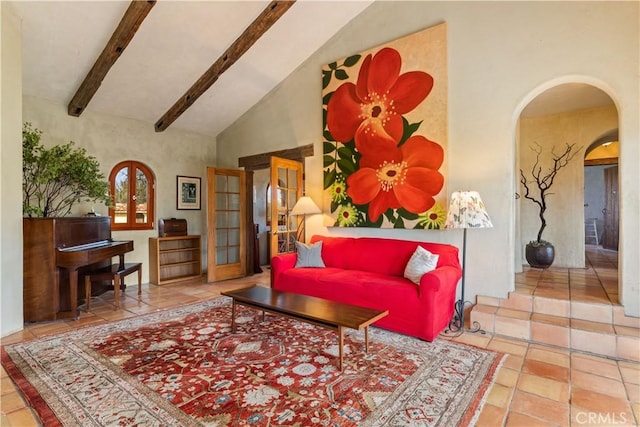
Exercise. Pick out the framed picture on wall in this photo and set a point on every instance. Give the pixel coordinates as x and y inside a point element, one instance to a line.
<point>188,192</point>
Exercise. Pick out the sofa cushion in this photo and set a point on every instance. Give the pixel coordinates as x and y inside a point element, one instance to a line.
<point>309,255</point>
<point>422,261</point>
<point>336,251</point>
<point>386,256</point>
<point>365,289</point>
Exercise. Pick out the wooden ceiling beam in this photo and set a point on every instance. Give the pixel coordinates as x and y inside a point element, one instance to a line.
<point>263,160</point>
<point>129,24</point>
<point>251,34</point>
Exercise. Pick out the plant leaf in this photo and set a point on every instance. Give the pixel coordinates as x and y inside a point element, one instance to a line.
<point>329,177</point>
<point>406,214</point>
<point>345,153</point>
<point>327,135</point>
<point>346,166</point>
<point>341,75</point>
<point>352,60</point>
<point>328,160</point>
<point>328,147</point>
<point>408,130</point>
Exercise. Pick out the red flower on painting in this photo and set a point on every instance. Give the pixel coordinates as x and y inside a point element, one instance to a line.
<point>375,104</point>
<point>395,177</point>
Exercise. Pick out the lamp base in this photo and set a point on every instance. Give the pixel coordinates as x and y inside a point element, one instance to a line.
<point>456,324</point>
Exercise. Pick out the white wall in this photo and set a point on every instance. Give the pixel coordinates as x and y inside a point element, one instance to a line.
<point>112,139</point>
<point>501,55</point>
<point>10,162</point>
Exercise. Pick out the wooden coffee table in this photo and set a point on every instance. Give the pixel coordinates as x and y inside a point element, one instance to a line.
<point>317,311</point>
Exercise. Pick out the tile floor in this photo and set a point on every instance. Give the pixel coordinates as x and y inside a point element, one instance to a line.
<point>536,386</point>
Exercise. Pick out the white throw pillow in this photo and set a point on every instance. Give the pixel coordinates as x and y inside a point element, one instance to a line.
<point>309,255</point>
<point>422,261</point>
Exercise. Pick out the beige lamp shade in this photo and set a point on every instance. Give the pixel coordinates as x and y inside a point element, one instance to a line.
<point>466,210</point>
<point>305,206</point>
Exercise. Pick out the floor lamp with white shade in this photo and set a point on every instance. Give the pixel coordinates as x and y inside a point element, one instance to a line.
<point>466,210</point>
<point>304,206</point>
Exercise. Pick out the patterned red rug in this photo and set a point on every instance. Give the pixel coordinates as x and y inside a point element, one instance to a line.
<point>183,367</point>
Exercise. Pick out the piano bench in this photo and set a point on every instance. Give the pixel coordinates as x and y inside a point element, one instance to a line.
<point>115,274</point>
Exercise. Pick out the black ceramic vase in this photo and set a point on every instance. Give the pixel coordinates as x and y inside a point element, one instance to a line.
<point>540,255</point>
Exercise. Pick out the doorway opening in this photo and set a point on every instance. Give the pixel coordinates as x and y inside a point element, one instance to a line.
<point>601,208</point>
<point>568,113</point>
<point>259,167</point>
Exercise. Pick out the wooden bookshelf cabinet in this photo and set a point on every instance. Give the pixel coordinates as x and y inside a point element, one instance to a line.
<point>174,258</point>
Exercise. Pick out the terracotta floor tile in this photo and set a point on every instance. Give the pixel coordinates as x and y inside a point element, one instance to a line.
<point>515,419</point>
<point>11,402</point>
<point>562,294</point>
<point>602,313</point>
<point>491,416</point>
<point>593,342</point>
<point>20,336</point>
<point>6,386</point>
<point>499,395</point>
<point>546,409</point>
<point>633,392</point>
<point>596,383</point>
<point>636,412</point>
<point>546,370</point>
<point>595,365</point>
<point>518,301</point>
<point>550,334</point>
<point>630,372</point>
<point>628,348</point>
<point>559,357</point>
<point>513,362</point>
<point>505,345</point>
<point>599,402</point>
<point>507,377</point>
<point>544,387</point>
<point>581,418</point>
<point>551,306</point>
<point>49,328</point>
<point>22,417</point>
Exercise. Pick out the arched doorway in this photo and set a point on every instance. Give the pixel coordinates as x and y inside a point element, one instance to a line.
<point>567,113</point>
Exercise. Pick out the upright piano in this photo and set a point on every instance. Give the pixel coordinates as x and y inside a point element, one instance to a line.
<point>56,252</point>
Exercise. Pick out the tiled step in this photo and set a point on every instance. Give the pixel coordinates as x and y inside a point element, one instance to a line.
<point>599,329</point>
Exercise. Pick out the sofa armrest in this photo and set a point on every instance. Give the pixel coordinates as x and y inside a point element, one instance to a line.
<point>280,263</point>
<point>434,281</point>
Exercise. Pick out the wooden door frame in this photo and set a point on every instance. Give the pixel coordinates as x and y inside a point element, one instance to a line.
<point>288,165</point>
<point>611,235</point>
<point>263,161</point>
<point>211,212</point>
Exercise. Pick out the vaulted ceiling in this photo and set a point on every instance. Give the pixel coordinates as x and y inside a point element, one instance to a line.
<point>178,41</point>
<point>173,47</point>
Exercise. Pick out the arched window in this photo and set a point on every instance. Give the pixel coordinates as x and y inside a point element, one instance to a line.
<point>132,185</point>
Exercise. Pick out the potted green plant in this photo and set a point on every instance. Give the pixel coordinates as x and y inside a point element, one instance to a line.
<point>54,179</point>
<point>540,253</point>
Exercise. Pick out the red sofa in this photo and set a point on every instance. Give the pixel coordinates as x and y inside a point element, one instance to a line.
<point>369,272</point>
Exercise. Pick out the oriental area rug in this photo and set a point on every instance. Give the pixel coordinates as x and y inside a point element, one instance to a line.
<point>183,367</point>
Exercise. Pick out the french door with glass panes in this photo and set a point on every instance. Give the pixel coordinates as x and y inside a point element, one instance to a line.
<point>286,189</point>
<point>226,224</point>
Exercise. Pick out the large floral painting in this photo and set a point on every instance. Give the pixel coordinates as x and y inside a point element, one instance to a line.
<point>385,134</point>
